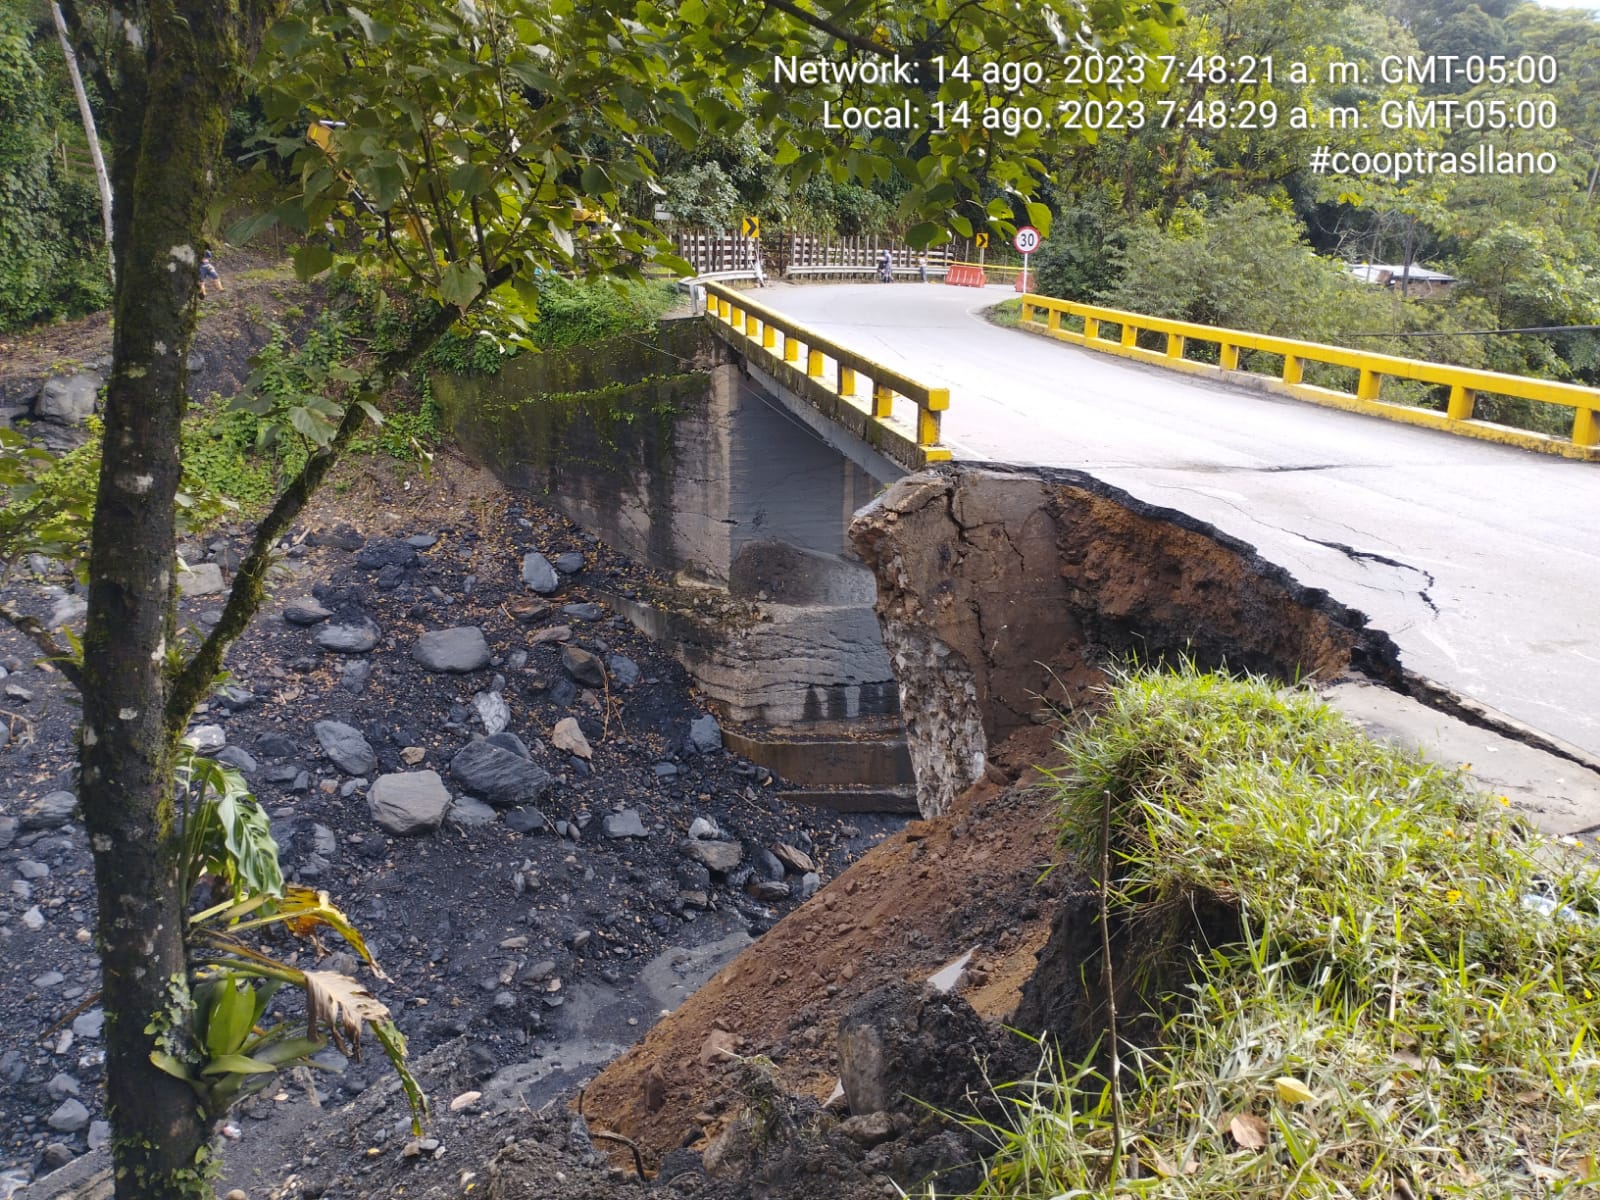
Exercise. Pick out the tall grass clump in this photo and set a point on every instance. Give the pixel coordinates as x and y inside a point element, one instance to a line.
<point>1411,1010</point>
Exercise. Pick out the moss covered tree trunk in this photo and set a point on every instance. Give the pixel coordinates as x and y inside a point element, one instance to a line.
<point>173,82</point>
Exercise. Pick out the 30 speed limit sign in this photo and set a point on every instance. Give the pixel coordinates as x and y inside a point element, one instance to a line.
<point>1028,240</point>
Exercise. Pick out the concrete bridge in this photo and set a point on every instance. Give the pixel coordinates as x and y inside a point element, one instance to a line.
<point>1481,560</point>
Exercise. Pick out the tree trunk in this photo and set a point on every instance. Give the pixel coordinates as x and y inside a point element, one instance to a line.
<point>101,178</point>
<point>176,83</point>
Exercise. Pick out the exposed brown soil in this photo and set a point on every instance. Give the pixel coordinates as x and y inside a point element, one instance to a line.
<point>972,879</point>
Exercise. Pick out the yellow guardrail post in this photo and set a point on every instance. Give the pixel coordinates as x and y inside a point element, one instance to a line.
<point>1368,385</point>
<point>1228,357</point>
<point>711,304</point>
<point>1130,334</point>
<point>1294,368</point>
<point>847,380</point>
<point>1175,345</point>
<point>1027,310</point>
<point>883,401</point>
<point>1585,428</point>
<point>769,337</point>
<point>813,362</point>
<point>1052,319</point>
<point>1091,329</point>
<point>1462,402</point>
<point>791,348</point>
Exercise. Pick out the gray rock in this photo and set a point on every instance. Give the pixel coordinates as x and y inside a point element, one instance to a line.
<point>355,675</point>
<point>499,776</point>
<point>33,919</point>
<point>275,745</point>
<point>8,830</point>
<point>507,740</point>
<point>345,745</point>
<point>202,579</point>
<point>586,668</point>
<point>704,827</point>
<point>768,890</point>
<point>49,979</point>
<point>492,711</point>
<point>471,813</point>
<point>666,770</point>
<point>570,563</point>
<point>456,650</point>
<point>90,1024</point>
<point>625,824</point>
<point>809,883</point>
<point>324,841</point>
<point>206,739</point>
<point>57,1155</point>
<point>705,735</point>
<point>305,612</point>
<point>99,1135</point>
<point>238,759</point>
<point>29,869</point>
<point>516,660</point>
<point>62,1085</point>
<point>583,612</point>
<point>538,574</point>
<point>237,699</point>
<point>718,856</point>
<point>527,820</point>
<point>69,1118</point>
<point>49,812</point>
<point>349,639</point>
<point>68,399</point>
<point>68,610</point>
<point>409,801</point>
<point>422,541</point>
<point>624,671</point>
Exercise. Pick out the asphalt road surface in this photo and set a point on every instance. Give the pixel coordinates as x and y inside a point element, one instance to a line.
<point>1481,561</point>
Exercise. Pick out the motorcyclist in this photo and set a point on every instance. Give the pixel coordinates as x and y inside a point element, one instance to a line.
<point>885,268</point>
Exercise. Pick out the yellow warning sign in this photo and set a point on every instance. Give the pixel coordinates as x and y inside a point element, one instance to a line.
<point>750,227</point>
<point>981,241</point>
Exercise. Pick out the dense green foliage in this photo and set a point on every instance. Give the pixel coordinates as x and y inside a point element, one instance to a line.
<point>51,260</point>
<point>1408,1010</point>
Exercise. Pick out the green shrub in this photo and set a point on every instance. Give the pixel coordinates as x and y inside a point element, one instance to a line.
<point>1410,1011</point>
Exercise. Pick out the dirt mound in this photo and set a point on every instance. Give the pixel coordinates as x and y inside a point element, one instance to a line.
<point>973,879</point>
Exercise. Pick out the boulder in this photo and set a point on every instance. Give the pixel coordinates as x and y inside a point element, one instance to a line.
<point>49,812</point>
<point>705,735</point>
<point>499,776</point>
<point>471,813</point>
<point>718,856</point>
<point>456,651</point>
<point>305,612</point>
<point>568,737</point>
<point>625,824</point>
<point>202,579</point>
<point>409,801</point>
<point>349,639</point>
<point>68,399</point>
<point>345,745</point>
<point>538,574</point>
<point>586,668</point>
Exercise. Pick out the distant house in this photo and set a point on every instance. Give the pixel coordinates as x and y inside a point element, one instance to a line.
<point>1416,279</point>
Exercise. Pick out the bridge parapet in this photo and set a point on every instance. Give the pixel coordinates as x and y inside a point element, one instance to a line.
<point>847,387</point>
<point>1465,383</point>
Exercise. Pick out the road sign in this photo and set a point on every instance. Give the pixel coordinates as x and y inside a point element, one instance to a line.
<point>1028,240</point>
<point>981,241</point>
<point>750,226</point>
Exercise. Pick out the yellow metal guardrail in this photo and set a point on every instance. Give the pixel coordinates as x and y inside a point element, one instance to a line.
<point>831,378</point>
<point>1465,383</point>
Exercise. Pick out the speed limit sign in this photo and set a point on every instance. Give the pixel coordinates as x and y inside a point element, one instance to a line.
<point>1028,240</point>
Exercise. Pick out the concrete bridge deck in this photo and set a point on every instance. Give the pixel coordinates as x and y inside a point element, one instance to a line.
<point>1481,561</point>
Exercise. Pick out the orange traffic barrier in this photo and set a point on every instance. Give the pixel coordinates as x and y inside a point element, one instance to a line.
<point>964,275</point>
